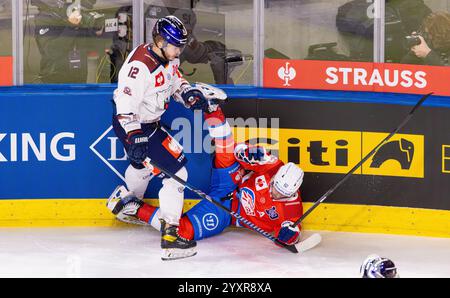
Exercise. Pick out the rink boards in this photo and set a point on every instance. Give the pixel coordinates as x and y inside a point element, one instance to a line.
<point>331,217</point>
<point>59,159</point>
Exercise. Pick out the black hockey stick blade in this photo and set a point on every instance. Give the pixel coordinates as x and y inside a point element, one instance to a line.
<point>291,248</point>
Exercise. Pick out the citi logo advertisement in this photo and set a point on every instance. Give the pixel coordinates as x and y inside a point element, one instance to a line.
<point>330,151</point>
<point>401,151</point>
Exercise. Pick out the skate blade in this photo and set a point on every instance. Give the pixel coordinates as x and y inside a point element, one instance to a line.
<point>170,254</point>
<point>130,220</point>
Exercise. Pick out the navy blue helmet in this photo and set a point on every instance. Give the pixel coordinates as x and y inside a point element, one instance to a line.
<point>172,30</point>
<point>375,266</point>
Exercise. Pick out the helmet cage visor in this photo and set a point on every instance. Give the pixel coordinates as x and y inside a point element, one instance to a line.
<point>384,269</point>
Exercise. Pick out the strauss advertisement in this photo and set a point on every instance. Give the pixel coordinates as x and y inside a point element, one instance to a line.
<point>355,76</point>
<point>6,70</point>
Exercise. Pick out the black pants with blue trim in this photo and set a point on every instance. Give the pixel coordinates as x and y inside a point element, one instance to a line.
<point>160,146</point>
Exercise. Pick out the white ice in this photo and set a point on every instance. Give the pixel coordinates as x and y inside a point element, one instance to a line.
<point>135,252</point>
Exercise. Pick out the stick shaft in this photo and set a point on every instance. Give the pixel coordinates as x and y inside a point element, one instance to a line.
<point>148,164</point>
<point>347,176</point>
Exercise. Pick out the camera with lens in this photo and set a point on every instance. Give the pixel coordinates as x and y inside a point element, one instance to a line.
<point>90,19</point>
<point>236,57</point>
<point>412,40</point>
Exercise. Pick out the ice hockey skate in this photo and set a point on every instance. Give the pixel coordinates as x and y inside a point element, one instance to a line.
<point>125,205</point>
<point>173,245</point>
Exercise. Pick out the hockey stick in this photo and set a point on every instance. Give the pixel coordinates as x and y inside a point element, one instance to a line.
<point>149,164</point>
<point>330,191</point>
<point>309,243</point>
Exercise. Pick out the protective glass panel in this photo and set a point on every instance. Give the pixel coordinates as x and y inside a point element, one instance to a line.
<point>319,30</point>
<point>6,61</point>
<point>220,46</point>
<point>5,28</point>
<point>79,41</point>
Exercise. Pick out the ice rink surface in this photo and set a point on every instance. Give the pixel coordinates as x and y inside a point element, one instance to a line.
<point>135,252</point>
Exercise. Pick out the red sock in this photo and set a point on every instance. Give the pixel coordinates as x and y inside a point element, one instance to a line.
<point>215,118</point>
<point>146,212</point>
<point>186,230</point>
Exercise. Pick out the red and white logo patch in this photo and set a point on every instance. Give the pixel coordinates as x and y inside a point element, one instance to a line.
<point>154,171</point>
<point>261,183</point>
<point>237,176</point>
<point>287,74</point>
<point>160,80</point>
<point>173,146</point>
<point>247,199</point>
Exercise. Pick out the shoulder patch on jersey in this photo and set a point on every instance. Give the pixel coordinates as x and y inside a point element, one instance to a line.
<point>143,55</point>
<point>159,79</point>
<point>261,183</point>
<point>247,199</point>
<point>272,213</point>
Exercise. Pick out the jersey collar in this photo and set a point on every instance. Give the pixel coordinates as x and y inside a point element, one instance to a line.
<point>159,59</point>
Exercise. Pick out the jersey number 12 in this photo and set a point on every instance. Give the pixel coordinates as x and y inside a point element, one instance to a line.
<point>133,72</point>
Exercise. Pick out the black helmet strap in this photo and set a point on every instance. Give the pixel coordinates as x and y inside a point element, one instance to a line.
<point>163,52</point>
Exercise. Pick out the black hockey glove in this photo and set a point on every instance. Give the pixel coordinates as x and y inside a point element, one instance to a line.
<point>138,141</point>
<point>194,99</point>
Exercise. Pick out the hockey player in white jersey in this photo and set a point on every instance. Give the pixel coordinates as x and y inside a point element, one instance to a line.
<point>147,81</point>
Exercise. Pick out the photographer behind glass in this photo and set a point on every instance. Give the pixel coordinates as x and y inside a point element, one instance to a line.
<point>431,45</point>
<point>202,52</point>
<point>61,32</point>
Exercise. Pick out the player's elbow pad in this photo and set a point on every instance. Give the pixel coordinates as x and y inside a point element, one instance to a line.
<point>129,122</point>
